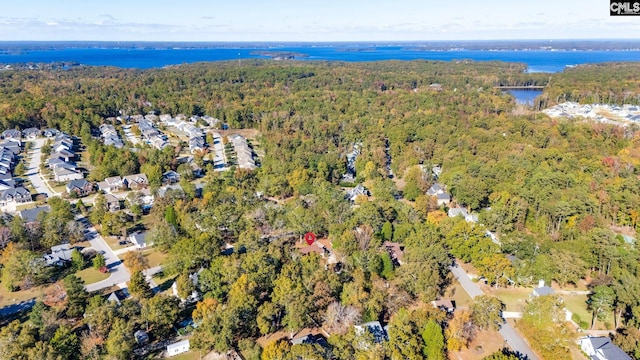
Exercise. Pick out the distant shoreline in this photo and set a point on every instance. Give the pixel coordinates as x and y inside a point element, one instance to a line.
<point>488,45</point>
<point>536,56</point>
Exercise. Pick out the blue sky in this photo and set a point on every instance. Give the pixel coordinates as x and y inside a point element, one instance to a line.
<point>302,20</point>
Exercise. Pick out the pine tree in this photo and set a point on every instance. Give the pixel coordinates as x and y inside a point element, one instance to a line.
<point>139,287</point>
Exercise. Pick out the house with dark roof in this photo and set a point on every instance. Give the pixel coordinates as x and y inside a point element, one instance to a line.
<point>50,132</point>
<point>7,184</point>
<point>63,143</point>
<point>31,215</point>
<point>15,196</point>
<point>438,190</point>
<point>11,146</point>
<point>60,254</point>
<point>196,144</point>
<point>63,154</point>
<point>170,177</point>
<point>12,134</point>
<point>31,133</point>
<point>311,339</point>
<point>542,290</point>
<point>353,194</point>
<point>55,161</point>
<point>374,328</point>
<point>601,348</point>
<point>80,187</point>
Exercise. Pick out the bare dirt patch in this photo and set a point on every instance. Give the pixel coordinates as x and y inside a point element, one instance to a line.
<point>486,343</point>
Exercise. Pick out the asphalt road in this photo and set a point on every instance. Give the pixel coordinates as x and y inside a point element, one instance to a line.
<point>16,308</point>
<point>469,286</point>
<point>510,335</point>
<point>119,273</point>
<point>33,171</point>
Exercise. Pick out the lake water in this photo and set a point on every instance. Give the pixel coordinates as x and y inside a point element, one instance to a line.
<point>525,97</point>
<point>150,57</point>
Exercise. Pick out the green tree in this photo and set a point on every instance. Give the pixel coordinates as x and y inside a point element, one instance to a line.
<point>99,261</point>
<point>170,216</point>
<point>77,260</point>
<point>387,266</point>
<point>161,312</point>
<point>600,303</point>
<point>185,285</point>
<point>119,344</point>
<point>100,315</point>
<point>387,231</point>
<point>433,338</point>
<point>65,343</point>
<point>77,296</point>
<point>486,312</point>
<point>568,267</point>
<point>139,287</point>
<point>497,268</point>
<point>550,337</point>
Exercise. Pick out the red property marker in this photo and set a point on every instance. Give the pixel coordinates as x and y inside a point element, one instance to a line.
<point>310,237</point>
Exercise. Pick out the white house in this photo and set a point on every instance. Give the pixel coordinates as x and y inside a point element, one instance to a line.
<point>601,348</point>
<point>63,175</point>
<point>138,239</point>
<point>178,348</point>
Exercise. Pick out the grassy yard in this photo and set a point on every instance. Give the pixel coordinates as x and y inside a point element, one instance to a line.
<point>16,297</point>
<point>114,242</point>
<point>154,257</point>
<point>577,305</point>
<point>91,275</point>
<point>514,299</point>
<point>456,293</point>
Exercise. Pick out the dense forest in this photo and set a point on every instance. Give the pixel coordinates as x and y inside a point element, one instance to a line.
<point>557,193</point>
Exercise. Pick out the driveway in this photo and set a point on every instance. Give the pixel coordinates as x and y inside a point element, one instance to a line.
<point>119,273</point>
<point>510,335</point>
<point>33,170</point>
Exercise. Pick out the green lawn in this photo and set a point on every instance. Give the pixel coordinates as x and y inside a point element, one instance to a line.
<point>514,299</point>
<point>91,275</point>
<point>577,305</point>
